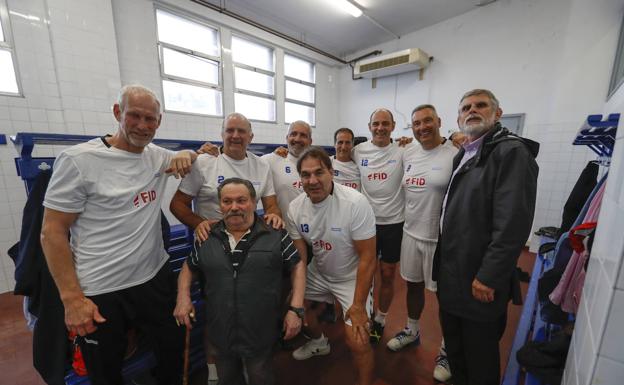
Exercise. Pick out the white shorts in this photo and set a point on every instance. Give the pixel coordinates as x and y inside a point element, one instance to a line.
<point>417,261</point>
<point>319,289</point>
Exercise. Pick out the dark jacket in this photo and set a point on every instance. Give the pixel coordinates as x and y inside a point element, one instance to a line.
<point>242,309</point>
<point>487,220</point>
<point>33,279</point>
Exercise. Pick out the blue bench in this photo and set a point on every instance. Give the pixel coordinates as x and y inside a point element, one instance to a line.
<point>531,327</point>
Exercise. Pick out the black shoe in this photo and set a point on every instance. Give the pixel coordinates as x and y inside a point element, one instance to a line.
<point>376,332</point>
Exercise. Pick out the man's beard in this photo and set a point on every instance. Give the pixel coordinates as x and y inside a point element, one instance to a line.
<point>477,129</point>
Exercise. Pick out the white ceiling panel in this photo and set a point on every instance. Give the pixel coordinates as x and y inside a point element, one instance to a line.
<point>322,25</point>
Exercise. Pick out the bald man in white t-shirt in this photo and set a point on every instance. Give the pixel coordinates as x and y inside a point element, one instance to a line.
<point>381,169</point>
<point>339,224</point>
<point>209,171</point>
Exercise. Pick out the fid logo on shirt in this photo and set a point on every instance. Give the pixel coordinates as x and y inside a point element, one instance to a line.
<point>143,198</point>
<point>321,244</point>
<point>297,185</point>
<point>377,176</point>
<point>415,181</point>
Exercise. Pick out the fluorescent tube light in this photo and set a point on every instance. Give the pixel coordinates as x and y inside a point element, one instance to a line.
<point>346,6</point>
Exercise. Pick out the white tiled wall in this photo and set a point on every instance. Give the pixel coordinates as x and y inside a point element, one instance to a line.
<point>67,59</point>
<point>73,56</point>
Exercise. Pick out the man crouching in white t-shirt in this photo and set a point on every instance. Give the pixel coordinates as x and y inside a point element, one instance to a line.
<point>107,193</point>
<point>339,224</point>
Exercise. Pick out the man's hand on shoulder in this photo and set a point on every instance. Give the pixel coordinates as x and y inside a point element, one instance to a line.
<point>281,151</point>
<point>202,231</point>
<point>181,163</point>
<point>404,141</point>
<point>481,292</point>
<point>274,221</point>
<point>458,139</point>
<point>82,316</point>
<point>209,149</point>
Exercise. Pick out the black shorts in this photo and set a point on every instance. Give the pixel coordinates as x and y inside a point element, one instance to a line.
<point>389,239</point>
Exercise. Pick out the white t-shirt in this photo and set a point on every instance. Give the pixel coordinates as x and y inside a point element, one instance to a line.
<point>381,170</point>
<point>116,239</point>
<point>285,179</point>
<point>346,173</point>
<point>330,227</point>
<point>208,172</point>
<point>425,178</point>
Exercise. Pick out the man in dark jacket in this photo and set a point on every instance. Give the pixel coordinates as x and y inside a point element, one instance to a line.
<point>242,262</point>
<point>486,218</point>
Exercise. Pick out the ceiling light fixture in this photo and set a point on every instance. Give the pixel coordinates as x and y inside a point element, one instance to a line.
<point>346,6</point>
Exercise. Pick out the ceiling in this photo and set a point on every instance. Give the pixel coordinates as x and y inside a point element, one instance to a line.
<point>319,24</point>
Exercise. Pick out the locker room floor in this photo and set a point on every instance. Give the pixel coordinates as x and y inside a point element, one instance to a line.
<point>414,365</point>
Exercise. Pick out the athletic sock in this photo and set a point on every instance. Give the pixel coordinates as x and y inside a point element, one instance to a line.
<point>322,340</point>
<point>380,318</point>
<point>413,326</point>
<point>212,373</point>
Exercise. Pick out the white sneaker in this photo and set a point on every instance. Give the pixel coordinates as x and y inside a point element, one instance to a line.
<point>402,339</point>
<point>213,379</point>
<point>312,348</point>
<point>442,370</point>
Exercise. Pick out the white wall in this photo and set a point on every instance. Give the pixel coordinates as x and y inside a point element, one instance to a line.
<point>73,56</point>
<point>549,59</point>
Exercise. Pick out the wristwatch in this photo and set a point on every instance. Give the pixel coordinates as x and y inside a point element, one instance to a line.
<point>299,311</point>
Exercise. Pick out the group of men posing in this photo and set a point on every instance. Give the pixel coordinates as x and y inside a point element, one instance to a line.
<point>455,220</point>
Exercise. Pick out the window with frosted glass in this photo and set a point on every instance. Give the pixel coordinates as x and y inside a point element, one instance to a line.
<point>300,86</point>
<point>254,79</point>
<point>8,73</point>
<point>190,62</point>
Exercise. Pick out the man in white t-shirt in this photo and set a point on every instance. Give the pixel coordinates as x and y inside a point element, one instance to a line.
<point>284,170</point>
<point>209,171</point>
<point>381,168</point>
<point>113,271</point>
<point>427,170</point>
<point>346,172</point>
<point>339,224</point>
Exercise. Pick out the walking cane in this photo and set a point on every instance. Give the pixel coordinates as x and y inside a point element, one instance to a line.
<point>187,345</point>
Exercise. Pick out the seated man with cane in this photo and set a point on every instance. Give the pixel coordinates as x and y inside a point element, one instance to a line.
<point>242,262</point>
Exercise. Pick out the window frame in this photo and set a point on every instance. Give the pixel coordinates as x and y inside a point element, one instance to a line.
<point>9,45</point>
<point>303,82</point>
<point>160,45</point>
<point>257,70</point>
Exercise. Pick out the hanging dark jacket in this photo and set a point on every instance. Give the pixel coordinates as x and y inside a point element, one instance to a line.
<point>487,220</point>
<point>578,196</point>
<point>33,279</point>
